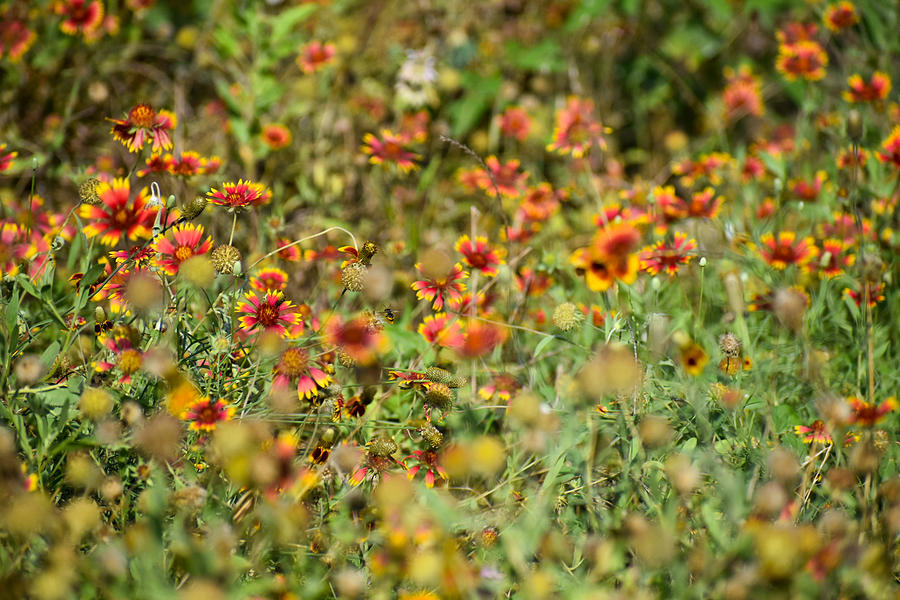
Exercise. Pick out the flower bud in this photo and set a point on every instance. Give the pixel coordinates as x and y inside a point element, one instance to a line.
<point>193,208</point>
<point>855,129</point>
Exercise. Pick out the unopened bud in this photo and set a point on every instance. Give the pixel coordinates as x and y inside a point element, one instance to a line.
<point>193,208</point>
<point>855,127</point>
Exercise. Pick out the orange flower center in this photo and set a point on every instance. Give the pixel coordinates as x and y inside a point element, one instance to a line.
<point>142,116</point>
<point>129,361</point>
<point>294,362</point>
<point>478,260</point>
<point>267,315</point>
<point>209,413</point>
<point>234,199</point>
<point>183,253</point>
<point>121,217</point>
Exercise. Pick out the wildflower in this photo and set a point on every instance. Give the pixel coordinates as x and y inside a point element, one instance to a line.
<point>269,313</point>
<point>515,123</point>
<point>408,379</point>
<point>224,258</point>
<point>754,169</point>
<point>618,240</point>
<point>868,414</point>
<point>845,228</point>
<point>743,94</point>
<point>319,455</point>
<point>236,196</point>
<point>415,80</point>
<point>533,283</point>
<point>891,144</point>
<point>480,338</point>
<point>157,163</point>
<point>667,256</point>
<point>356,338</point>
<point>502,386</point>
<point>835,258</point>
<point>576,129</point>
<point>414,126</point>
<point>480,255</point>
<point>428,462</point>
<point>295,365</point>
<point>390,148</point>
<point>850,158</point>
<point>787,250</point>
<point>540,203</point>
<point>269,279</point>
<point>807,191</point>
<point>207,413</point>
<point>315,55</point>
<point>290,253</point>
<point>15,39</point>
<point>376,465</point>
<point>128,358</point>
<point>876,295</point>
<point>116,216</point>
<point>706,166</point>
<point>566,316</point>
<point>181,243</point>
<point>276,136</point>
<point>142,123</point>
<point>693,358</point>
<point>815,433</point>
<point>435,289</point>
<point>794,32</point>
<point>6,158</point>
<point>600,270</point>
<point>876,89</point>
<point>840,15</point>
<point>438,395</point>
<point>187,164</point>
<point>79,16</point>
<point>353,277</point>
<point>95,403</point>
<point>506,176</point>
<point>804,59</point>
<point>441,330</point>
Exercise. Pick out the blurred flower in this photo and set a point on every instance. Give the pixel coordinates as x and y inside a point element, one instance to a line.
<point>533,283</point>
<point>143,122</point>
<point>693,358</point>
<point>576,129</point>
<point>441,330</point>
<point>269,279</point>
<point>480,255</point>
<point>315,55</point>
<point>877,88</point>
<point>507,177</point>
<point>787,250</point>
<point>876,295</point>
<point>291,254</point>
<point>207,413</point>
<point>181,243</point>
<point>892,145</point>
<point>235,196</point>
<point>128,358</point>
<point>667,256</point>
<point>804,59</point>
<point>375,465</point>
<point>415,80</point>
<point>295,365</point>
<point>502,386</point>
<point>414,126</point>
<point>6,158</point>
<point>867,414</point>
<point>428,462</point>
<point>116,217</point>
<point>355,337</point>
<point>540,203</point>
<point>15,40</point>
<point>480,338</point>
<point>807,190</point>
<point>435,289</point>
<point>390,148</point>
<point>835,258</point>
<point>515,123</point>
<point>156,163</point>
<point>840,15</point>
<point>187,164</point>
<point>269,313</point>
<point>706,166</point>
<point>276,136</point>
<point>816,432</point>
<point>849,159</point>
<point>79,16</point>
<point>743,94</point>
<point>600,270</point>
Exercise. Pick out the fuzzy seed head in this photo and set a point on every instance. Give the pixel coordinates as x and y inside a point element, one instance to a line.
<point>383,446</point>
<point>439,395</point>
<point>87,191</point>
<point>95,403</point>
<point>353,277</point>
<point>729,344</point>
<point>567,316</point>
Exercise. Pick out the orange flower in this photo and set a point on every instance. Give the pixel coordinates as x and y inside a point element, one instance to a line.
<point>877,88</point>
<point>804,59</point>
<point>743,94</point>
<point>600,270</point>
<point>666,257</point>
<point>205,414</point>
<point>15,38</point>
<point>356,337</point>
<point>867,414</point>
<point>276,136</point>
<point>480,338</point>
<point>315,55</point>
<point>787,250</point>
<point>439,329</point>
<point>391,148</point>
<point>892,145</point>
<point>515,122</point>
<point>480,255</point>
<point>840,16</point>
<point>79,16</point>
<point>837,255</point>
<point>576,128</point>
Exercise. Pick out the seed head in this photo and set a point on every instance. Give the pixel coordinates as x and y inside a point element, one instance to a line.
<point>353,277</point>
<point>432,435</point>
<point>456,381</point>
<point>224,259</point>
<point>193,208</point>
<point>567,316</point>
<point>437,375</point>
<point>439,395</point>
<point>95,403</point>
<point>366,253</point>
<point>87,191</point>
<point>383,446</point>
<point>730,344</point>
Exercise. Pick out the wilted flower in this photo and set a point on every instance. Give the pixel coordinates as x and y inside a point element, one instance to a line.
<point>142,123</point>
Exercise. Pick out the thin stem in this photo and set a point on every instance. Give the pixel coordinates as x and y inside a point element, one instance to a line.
<point>301,240</point>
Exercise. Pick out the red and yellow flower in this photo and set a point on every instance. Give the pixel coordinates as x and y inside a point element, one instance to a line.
<point>850,158</point>
<point>441,329</point>
<point>481,338</point>
<point>601,270</point>
<point>269,279</point>
<point>144,123</point>
<point>428,462</point>
<point>315,55</point>
<point>576,128</point>
<point>666,257</point>
<point>205,414</point>
<point>181,243</point>
<point>805,59</point>
<point>271,312</point>
<point>390,148</point>
<point>434,290</point>
<point>743,94</point>
<point>6,158</point>
<point>356,337</point>
<point>876,89</point>
<point>814,433</point>
<point>479,255</point>
<point>807,190</point>
<point>117,216</point>
<point>295,365</point>
<point>276,136</point>
<point>836,258</point>
<point>868,414</point>
<point>840,15</point>
<point>236,196</point>
<point>786,249</point>
<point>15,38</point>
<point>515,123</point>
<point>79,16</point>
<point>891,145</point>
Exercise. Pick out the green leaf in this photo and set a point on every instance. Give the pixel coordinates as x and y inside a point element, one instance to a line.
<point>545,56</point>
<point>480,93</point>
<point>689,445</point>
<point>48,356</point>
<point>542,344</point>
<point>12,314</point>
<point>289,19</point>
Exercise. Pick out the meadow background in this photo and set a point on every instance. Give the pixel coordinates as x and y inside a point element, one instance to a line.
<point>381,299</point>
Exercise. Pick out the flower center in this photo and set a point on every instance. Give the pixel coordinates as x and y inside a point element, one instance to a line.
<point>208,414</point>
<point>267,315</point>
<point>142,116</point>
<point>784,254</point>
<point>293,362</point>
<point>235,199</point>
<point>129,361</point>
<point>121,217</point>
<point>183,253</point>
<point>478,260</point>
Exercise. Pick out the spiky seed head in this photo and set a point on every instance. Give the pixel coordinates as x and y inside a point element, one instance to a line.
<point>224,259</point>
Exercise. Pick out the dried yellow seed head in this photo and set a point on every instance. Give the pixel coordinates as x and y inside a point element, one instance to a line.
<point>224,258</point>
<point>353,277</point>
<point>439,395</point>
<point>87,191</point>
<point>567,316</point>
<point>95,403</point>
